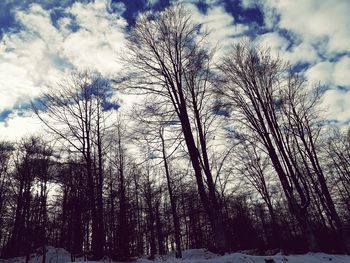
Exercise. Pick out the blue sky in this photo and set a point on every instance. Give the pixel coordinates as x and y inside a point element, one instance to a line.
<point>41,40</point>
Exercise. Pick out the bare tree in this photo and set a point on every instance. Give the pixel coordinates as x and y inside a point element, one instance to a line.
<point>170,62</point>
<point>338,159</point>
<point>253,165</point>
<point>275,105</point>
<point>32,160</point>
<point>73,111</point>
<point>160,133</point>
<point>121,166</point>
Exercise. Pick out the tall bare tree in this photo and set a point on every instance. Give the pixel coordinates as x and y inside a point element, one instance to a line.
<point>338,159</point>
<point>32,160</point>
<point>73,110</point>
<point>160,132</point>
<point>169,61</point>
<point>276,106</point>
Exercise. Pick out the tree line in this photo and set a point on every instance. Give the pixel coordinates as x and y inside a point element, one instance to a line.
<point>228,153</point>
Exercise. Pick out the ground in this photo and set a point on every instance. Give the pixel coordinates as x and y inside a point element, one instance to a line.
<point>59,255</point>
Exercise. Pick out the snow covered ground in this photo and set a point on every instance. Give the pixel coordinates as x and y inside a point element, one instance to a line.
<point>59,255</point>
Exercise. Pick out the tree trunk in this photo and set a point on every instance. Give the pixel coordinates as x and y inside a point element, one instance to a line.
<point>210,205</point>
<point>176,221</point>
<point>160,235</point>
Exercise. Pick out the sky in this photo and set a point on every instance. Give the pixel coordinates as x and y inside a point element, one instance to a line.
<point>42,40</point>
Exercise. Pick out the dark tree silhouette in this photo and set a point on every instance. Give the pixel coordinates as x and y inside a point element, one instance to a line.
<point>169,61</point>
<point>277,108</point>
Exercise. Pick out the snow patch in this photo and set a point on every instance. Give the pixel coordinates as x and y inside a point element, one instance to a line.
<point>60,255</point>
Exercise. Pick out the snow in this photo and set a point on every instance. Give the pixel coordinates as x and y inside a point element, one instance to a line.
<point>60,255</point>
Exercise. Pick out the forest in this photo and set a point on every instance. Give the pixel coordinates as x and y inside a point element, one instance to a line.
<point>227,150</point>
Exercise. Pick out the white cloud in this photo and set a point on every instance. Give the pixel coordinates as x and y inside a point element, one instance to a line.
<point>22,125</point>
<point>320,35</point>
<point>279,46</point>
<point>26,58</point>
<point>331,73</point>
<point>274,41</point>
<point>100,37</point>
<point>321,72</point>
<point>313,21</point>
<point>316,27</point>
<point>341,72</point>
<point>302,53</point>
<point>38,55</point>
<point>223,29</point>
<point>336,104</point>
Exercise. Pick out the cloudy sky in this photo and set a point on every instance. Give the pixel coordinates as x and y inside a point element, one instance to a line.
<point>42,40</point>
